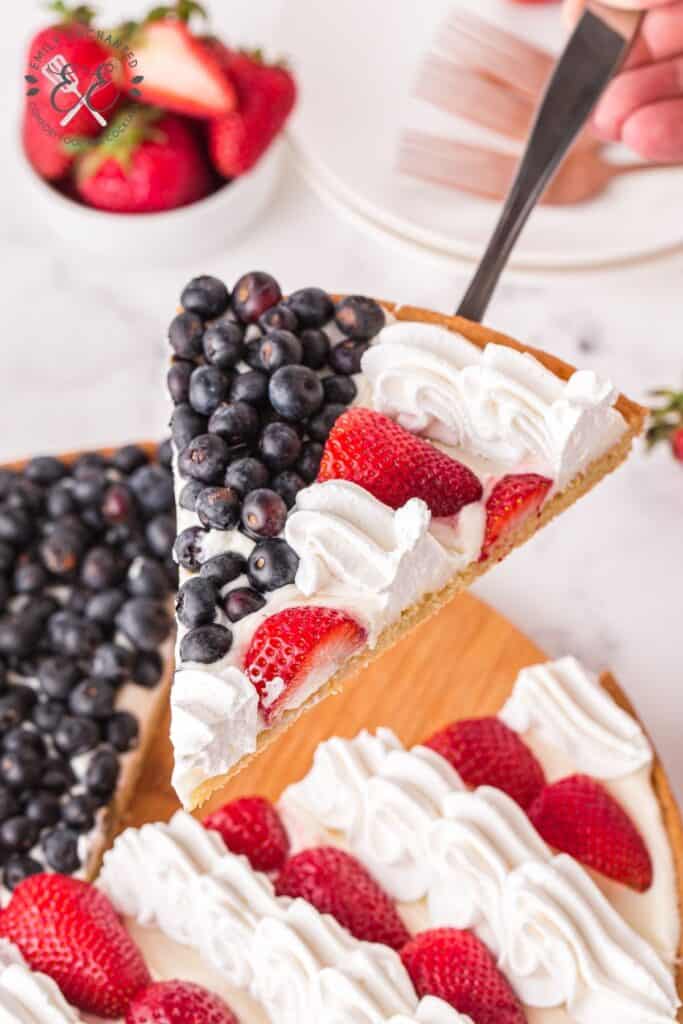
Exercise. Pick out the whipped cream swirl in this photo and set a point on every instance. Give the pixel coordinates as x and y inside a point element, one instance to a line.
<point>500,403</point>
<point>27,997</point>
<point>570,710</point>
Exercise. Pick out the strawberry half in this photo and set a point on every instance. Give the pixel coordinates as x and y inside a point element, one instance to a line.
<point>486,752</point>
<point>513,500</point>
<point>70,931</point>
<point>337,884</point>
<point>370,450</point>
<point>579,816</point>
<point>293,646</point>
<point>179,1002</point>
<point>456,967</point>
<point>252,827</point>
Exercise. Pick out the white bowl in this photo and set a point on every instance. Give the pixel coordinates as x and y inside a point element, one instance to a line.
<point>197,230</point>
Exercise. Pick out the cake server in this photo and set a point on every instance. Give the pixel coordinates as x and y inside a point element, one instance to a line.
<point>595,51</point>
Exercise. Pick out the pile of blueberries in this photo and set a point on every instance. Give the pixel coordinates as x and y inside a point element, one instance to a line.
<point>257,385</point>
<point>86,571</point>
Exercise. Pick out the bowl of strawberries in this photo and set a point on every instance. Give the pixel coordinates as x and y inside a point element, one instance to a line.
<point>150,134</point>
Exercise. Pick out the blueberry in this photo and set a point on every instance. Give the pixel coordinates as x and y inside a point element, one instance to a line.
<point>145,622</point>
<point>112,662</point>
<point>26,496</point>
<point>279,318</point>
<point>204,458</point>
<point>160,534</point>
<point>47,715</point>
<point>153,488</point>
<point>295,392</point>
<point>208,388</point>
<point>246,475</point>
<point>359,317</point>
<point>188,547</point>
<point>22,739</point>
<point>40,607</point>
<point>122,731</point>
<point>76,735</point>
<point>236,422</point>
<point>78,812</point>
<point>279,348</point>
<point>15,527</point>
<point>18,635</point>
<point>186,424</point>
<point>206,296</point>
<point>103,607</point>
<point>189,494</point>
<point>146,578</point>
<point>339,389</point>
<point>250,386</point>
<point>7,556</point>
<point>62,550</point>
<point>148,669</point>
<point>129,458</point>
<point>88,489</point>
<point>185,335</point>
<point>4,592</point>
<point>280,445</point>
<point>45,470</point>
<point>224,344</point>
<point>43,809</point>
<point>72,635</point>
<point>102,773</point>
<point>57,775</point>
<point>218,508</point>
<point>29,577</point>
<point>19,834</point>
<point>17,868</point>
<point>272,564</point>
<point>320,426</point>
<point>316,348</point>
<point>164,453</point>
<point>101,568</point>
<point>118,504</point>
<point>205,644</point>
<point>93,698</point>
<point>345,358</point>
<point>60,847</point>
<point>8,803</point>
<point>264,513</point>
<point>60,500</point>
<point>288,484</point>
<point>196,603</point>
<point>15,707</point>
<point>252,354</point>
<point>241,602</point>
<point>253,294</point>
<point>223,568</point>
<point>7,479</point>
<point>178,380</point>
<point>89,463</point>
<point>313,307</point>
<point>21,769</point>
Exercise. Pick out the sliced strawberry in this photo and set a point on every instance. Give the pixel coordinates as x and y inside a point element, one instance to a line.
<point>251,826</point>
<point>513,500</point>
<point>294,646</point>
<point>179,1002</point>
<point>69,930</point>
<point>370,450</point>
<point>174,70</point>
<point>579,816</point>
<point>486,752</point>
<point>267,95</point>
<point>337,884</point>
<point>456,967</point>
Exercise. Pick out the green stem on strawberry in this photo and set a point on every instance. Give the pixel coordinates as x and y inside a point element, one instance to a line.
<point>666,418</point>
<point>183,10</point>
<point>81,14</point>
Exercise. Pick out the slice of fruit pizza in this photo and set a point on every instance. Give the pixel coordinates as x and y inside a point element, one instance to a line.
<point>344,467</point>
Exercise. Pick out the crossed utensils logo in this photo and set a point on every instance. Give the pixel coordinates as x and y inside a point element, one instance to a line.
<point>64,80</point>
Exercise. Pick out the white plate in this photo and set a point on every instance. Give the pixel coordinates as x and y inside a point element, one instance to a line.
<point>356,61</point>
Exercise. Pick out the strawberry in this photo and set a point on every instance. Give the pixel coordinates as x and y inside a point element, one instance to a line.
<point>251,826</point>
<point>372,451</point>
<point>337,884</point>
<point>179,1002</point>
<point>293,645</point>
<point>70,931</point>
<point>455,966</point>
<point>486,752</point>
<point>666,422</point>
<point>266,98</point>
<point>155,163</point>
<point>580,817</point>
<point>173,69</point>
<point>513,500</point>
<point>676,441</point>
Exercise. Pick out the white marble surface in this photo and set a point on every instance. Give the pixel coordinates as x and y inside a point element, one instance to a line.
<point>82,356</point>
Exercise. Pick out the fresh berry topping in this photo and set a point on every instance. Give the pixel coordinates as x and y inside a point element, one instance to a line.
<point>320,425</point>
<point>148,668</point>
<point>145,622</point>
<point>223,343</point>
<point>280,445</point>
<point>359,318</point>
<point>315,348</point>
<point>272,564</point>
<point>264,513</point>
<point>339,390</point>
<point>295,392</point>
<point>207,298</point>
<point>337,884</point>
<point>188,546</point>
<point>455,966</point>
<point>205,644</point>
<point>288,484</point>
<point>371,450</point>
<point>189,494</point>
<point>17,868</point>
<point>279,348</point>
<point>178,1002</point>
<point>253,294</point>
<point>242,601</point>
<point>250,386</point>
<point>513,500</point>
<point>279,318</point>
<point>293,644</point>
<point>102,774</point>
<point>196,602</point>
<point>186,424</point>
<point>112,661</point>
<point>486,752</point>
<point>186,330</point>
<point>93,698</point>
<point>247,474</point>
<point>345,357</point>
<point>69,931</point>
<point>60,849</point>
<point>218,508</point>
<point>178,381</point>
<point>252,827</point>
<point>204,458</point>
<point>313,307</point>
<point>308,463</point>
<point>223,568</point>
<point>236,422</point>
<point>146,578</point>
<point>579,816</point>
<point>208,388</point>
<point>122,731</point>
<point>73,736</point>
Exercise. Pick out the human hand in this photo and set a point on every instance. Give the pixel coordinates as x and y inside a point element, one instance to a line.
<point>643,106</point>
